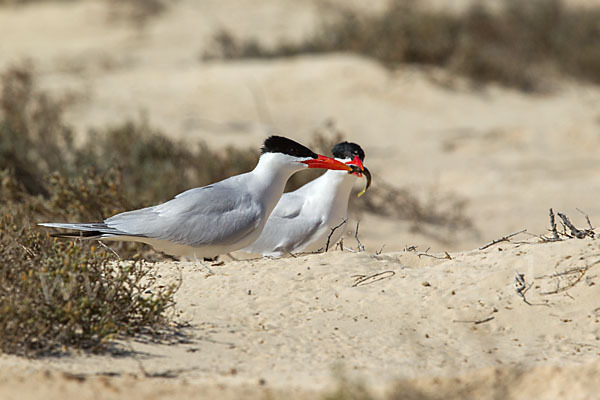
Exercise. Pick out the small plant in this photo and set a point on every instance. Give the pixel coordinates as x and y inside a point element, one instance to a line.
<point>56,295</point>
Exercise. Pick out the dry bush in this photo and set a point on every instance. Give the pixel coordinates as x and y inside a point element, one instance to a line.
<point>154,168</point>
<point>136,12</point>
<point>120,167</point>
<point>522,45</point>
<point>33,137</point>
<point>57,295</point>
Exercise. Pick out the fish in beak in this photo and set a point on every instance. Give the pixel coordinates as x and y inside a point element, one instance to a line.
<point>359,169</point>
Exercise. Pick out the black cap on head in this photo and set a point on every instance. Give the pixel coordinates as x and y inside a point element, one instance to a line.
<point>280,144</point>
<point>348,150</point>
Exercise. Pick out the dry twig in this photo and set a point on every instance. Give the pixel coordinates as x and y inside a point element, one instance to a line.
<point>446,256</point>
<point>578,233</point>
<point>333,230</point>
<point>520,287</point>
<point>553,226</point>
<point>502,239</point>
<point>579,273</point>
<point>360,245</point>
<point>475,322</point>
<point>368,279</point>
<point>587,219</point>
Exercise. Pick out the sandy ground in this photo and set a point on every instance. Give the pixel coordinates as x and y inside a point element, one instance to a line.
<point>291,323</point>
<point>509,155</point>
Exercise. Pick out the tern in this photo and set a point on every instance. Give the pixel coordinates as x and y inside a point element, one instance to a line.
<point>216,219</point>
<point>307,219</point>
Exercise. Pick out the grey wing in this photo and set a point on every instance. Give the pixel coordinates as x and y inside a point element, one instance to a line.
<point>210,215</point>
<point>287,227</point>
<point>289,206</point>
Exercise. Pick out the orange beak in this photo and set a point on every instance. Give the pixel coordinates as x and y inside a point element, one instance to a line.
<point>359,164</point>
<point>327,163</point>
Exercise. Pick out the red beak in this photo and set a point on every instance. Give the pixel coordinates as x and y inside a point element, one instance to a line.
<point>359,164</point>
<point>326,163</point>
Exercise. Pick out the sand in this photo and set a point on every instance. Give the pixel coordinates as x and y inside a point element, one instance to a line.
<point>292,323</point>
<point>268,328</point>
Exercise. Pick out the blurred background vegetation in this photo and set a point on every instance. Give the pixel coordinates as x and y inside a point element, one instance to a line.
<point>522,44</point>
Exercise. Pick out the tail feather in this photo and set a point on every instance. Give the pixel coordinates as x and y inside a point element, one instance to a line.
<point>94,230</point>
<point>78,234</point>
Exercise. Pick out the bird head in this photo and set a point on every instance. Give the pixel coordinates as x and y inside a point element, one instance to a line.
<point>353,155</point>
<point>298,155</point>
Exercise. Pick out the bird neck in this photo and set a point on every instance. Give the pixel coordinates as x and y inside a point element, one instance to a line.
<point>334,188</point>
<point>269,178</point>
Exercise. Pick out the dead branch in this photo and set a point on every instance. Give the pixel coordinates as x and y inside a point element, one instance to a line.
<point>360,246</point>
<point>553,226</point>
<point>368,279</point>
<point>520,287</point>
<point>475,322</point>
<point>502,239</point>
<point>332,231</point>
<point>581,271</point>
<point>587,219</point>
<point>578,233</point>
<point>446,256</point>
<point>563,273</point>
<point>292,254</point>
